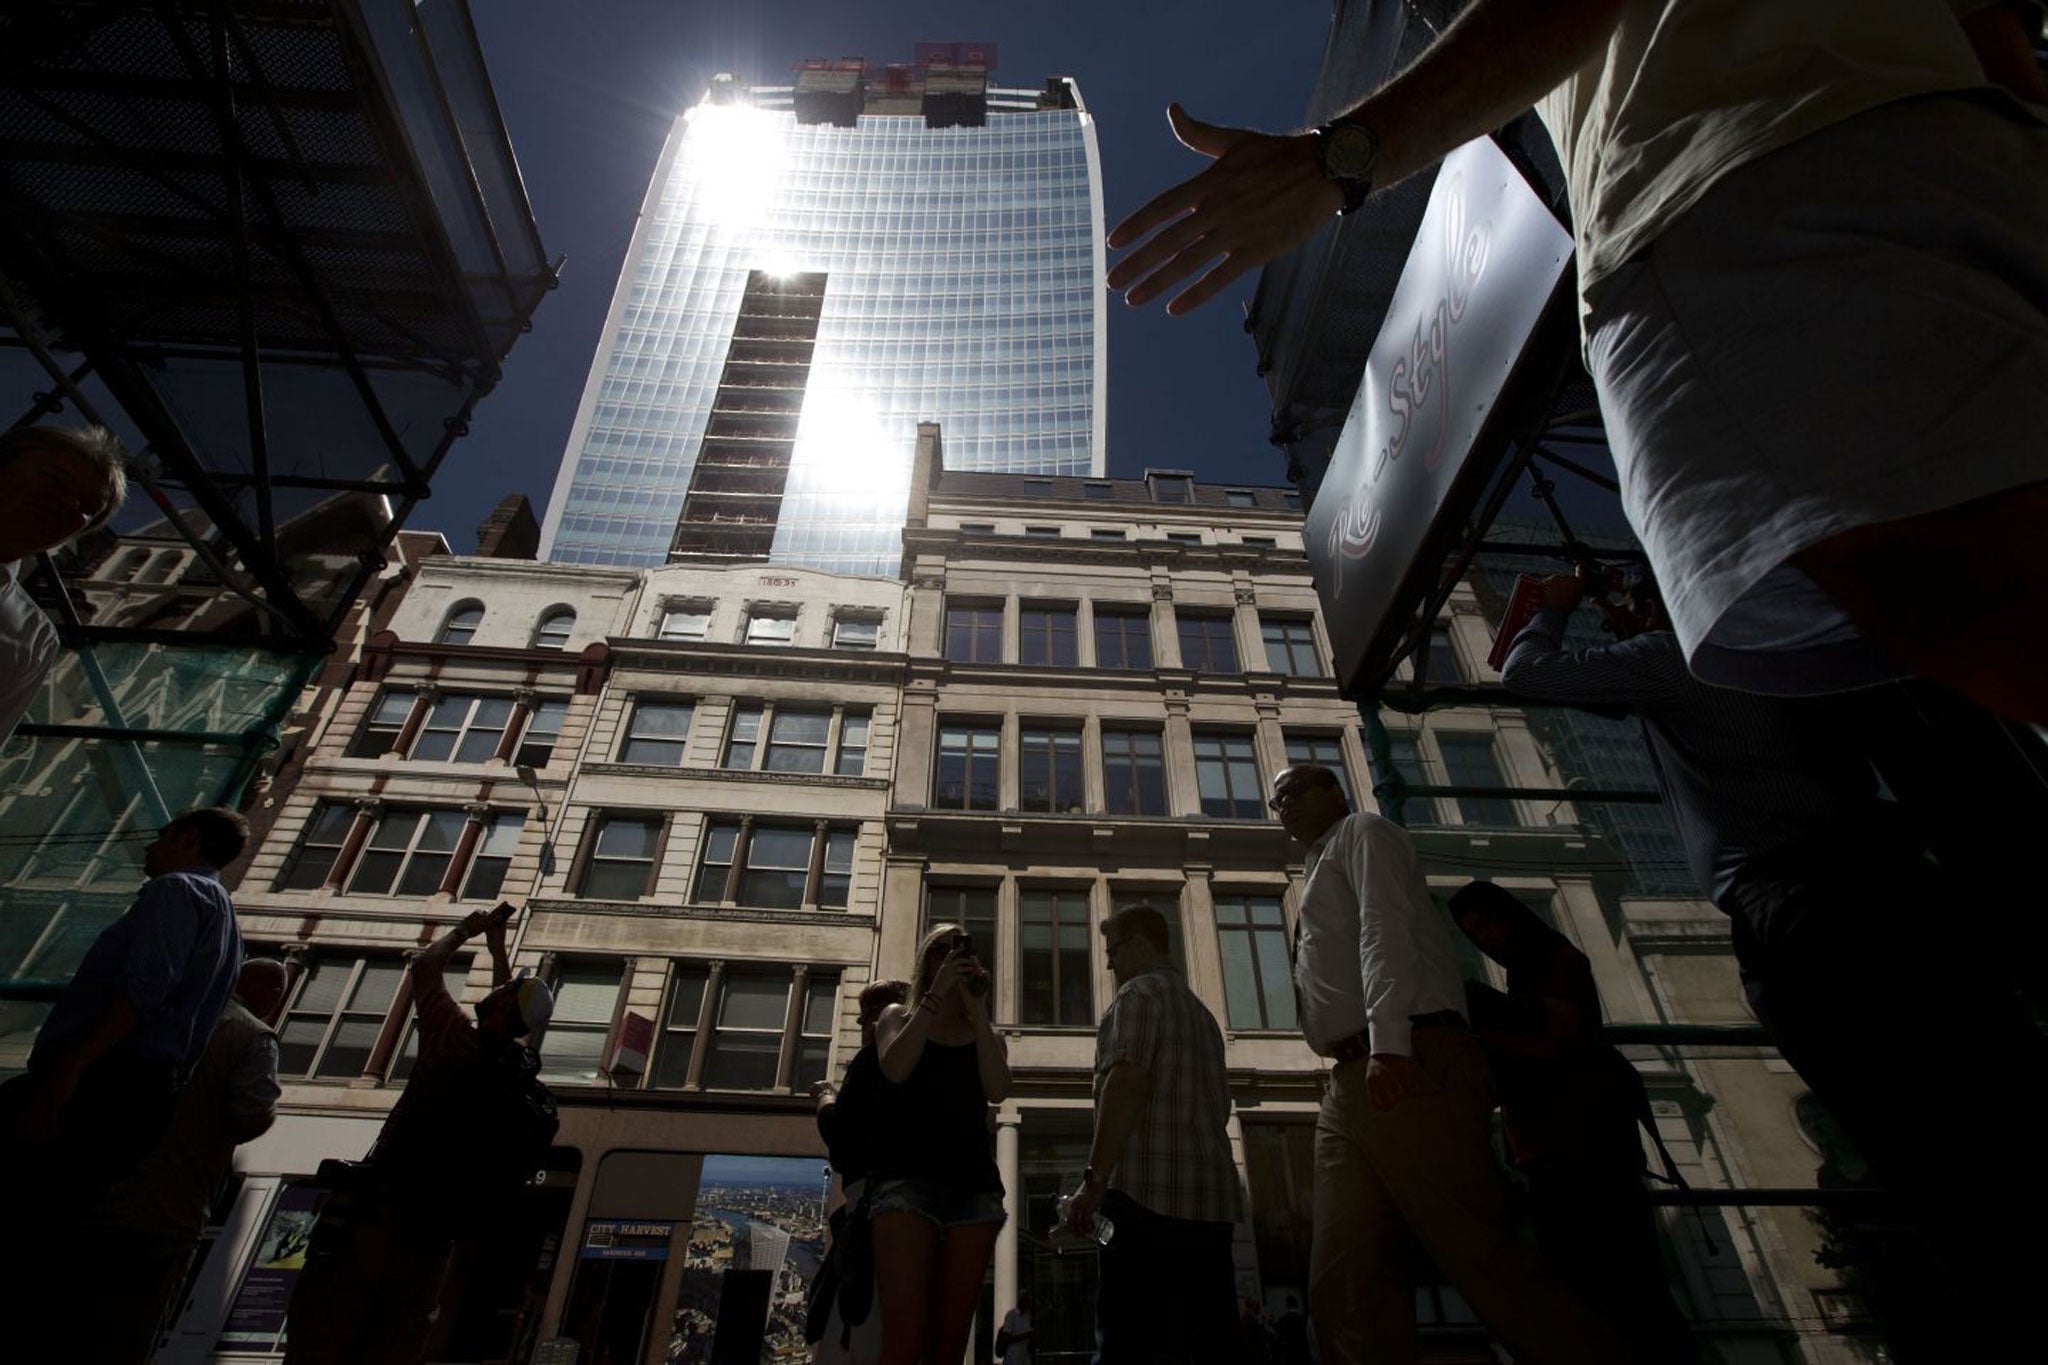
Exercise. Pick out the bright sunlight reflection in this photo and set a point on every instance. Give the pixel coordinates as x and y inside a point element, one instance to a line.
<point>841,443</point>
<point>736,157</point>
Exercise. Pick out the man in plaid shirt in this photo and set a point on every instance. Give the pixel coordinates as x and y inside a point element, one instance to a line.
<point>1160,1167</point>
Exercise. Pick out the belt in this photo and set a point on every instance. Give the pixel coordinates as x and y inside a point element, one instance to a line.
<point>1359,1044</point>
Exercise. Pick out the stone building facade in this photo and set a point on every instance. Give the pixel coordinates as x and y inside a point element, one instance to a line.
<point>727,798</point>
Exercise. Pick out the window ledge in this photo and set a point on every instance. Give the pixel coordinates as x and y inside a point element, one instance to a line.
<point>737,913</point>
<point>739,775</point>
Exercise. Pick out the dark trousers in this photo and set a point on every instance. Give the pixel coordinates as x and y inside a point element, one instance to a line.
<point>1597,1229</point>
<point>1168,1289</point>
<point>1871,975</point>
<point>116,1115</point>
<point>371,1288</point>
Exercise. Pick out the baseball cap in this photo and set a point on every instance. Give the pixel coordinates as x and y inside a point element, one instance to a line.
<point>536,1003</point>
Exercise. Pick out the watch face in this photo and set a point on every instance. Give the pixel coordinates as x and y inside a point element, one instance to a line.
<point>1348,152</point>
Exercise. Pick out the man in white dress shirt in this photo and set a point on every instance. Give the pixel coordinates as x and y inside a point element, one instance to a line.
<point>1402,1147</point>
<point>60,482</point>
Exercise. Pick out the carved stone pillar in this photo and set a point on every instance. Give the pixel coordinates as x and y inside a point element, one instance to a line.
<point>707,1016</point>
<point>368,808</point>
<point>792,1025</point>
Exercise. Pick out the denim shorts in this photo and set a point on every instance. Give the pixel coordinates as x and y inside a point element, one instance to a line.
<point>937,1201</point>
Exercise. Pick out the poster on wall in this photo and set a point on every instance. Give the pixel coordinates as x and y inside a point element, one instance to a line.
<point>256,1322</point>
<point>755,1243</point>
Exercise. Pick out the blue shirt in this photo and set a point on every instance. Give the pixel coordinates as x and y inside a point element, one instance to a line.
<point>174,956</point>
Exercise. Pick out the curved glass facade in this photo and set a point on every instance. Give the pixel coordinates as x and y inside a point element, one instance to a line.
<point>962,285</point>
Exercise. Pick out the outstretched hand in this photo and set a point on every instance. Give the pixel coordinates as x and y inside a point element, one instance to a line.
<point>1263,195</point>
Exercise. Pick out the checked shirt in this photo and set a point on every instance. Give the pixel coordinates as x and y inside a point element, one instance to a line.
<point>1177,1163</point>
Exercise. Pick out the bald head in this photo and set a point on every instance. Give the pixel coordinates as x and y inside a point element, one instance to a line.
<point>261,987</point>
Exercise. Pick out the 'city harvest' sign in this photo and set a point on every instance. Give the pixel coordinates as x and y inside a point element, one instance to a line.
<point>1486,259</point>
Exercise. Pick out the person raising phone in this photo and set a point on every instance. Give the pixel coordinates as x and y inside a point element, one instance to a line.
<point>937,1198</point>
<point>472,1126</point>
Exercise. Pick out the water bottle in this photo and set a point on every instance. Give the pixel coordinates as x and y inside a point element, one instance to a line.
<point>1063,1240</point>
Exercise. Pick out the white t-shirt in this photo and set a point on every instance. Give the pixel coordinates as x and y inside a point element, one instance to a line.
<point>1687,90</point>
<point>1017,1321</point>
<point>28,645</point>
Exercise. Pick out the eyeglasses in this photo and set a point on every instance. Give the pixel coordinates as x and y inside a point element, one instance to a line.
<point>1110,945</point>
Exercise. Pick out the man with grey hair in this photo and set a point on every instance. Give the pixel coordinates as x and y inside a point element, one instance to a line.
<point>61,482</point>
<point>1403,1148</point>
<point>129,1256</point>
<point>1160,1167</point>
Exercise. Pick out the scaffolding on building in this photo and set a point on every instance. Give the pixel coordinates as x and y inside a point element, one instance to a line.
<point>281,248</point>
<point>1539,494</point>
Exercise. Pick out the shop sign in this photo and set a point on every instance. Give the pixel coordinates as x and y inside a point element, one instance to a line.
<point>618,1239</point>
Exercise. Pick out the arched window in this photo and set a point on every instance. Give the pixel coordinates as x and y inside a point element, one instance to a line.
<point>463,619</point>
<point>553,630</point>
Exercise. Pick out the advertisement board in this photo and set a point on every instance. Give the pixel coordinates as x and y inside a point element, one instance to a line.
<point>1487,258</point>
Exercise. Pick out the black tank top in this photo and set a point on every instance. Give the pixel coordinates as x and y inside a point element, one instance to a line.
<point>934,1126</point>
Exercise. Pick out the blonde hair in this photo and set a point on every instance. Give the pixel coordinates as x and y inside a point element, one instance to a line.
<point>920,976</point>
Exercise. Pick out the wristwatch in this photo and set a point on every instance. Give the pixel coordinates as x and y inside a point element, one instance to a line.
<point>1348,152</point>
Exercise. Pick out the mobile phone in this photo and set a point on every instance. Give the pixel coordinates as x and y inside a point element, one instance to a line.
<point>504,912</point>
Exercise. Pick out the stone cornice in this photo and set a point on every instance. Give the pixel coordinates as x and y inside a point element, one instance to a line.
<point>848,919</point>
<point>696,656</point>
<point>1152,681</point>
<point>670,774</point>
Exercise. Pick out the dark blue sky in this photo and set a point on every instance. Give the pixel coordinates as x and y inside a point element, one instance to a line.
<point>590,89</point>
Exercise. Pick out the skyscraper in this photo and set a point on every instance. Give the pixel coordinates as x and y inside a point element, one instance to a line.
<point>818,268</point>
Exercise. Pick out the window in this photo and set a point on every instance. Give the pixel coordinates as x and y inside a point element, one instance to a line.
<point>1227,772</point>
<point>1099,492</point>
<point>493,855</point>
<point>1405,748</point>
<point>685,620</point>
<point>1328,752</point>
<point>385,724</point>
<point>1208,641</point>
<point>463,728</point>
<point>1258,985</point>
<point>321,844</point>
<point>586,999</point>
<point>973,908</point>
<point>1443,657</point>
<point>1042,532</point>
<point>1240,497</point>
<point>798,738</point>
<point>1053,968</point>
<point>1038,488</point>
<point>967,777</point>
<point>1046,636</point>
<point>677,1036</point>
<point>1469,762</point>
<point>657,733</point>
<point>1290,646</point>
<point>1172,487</point>
<point>1123,637</point>
<point>852,759</point>
<point>408,853</point>
<point>815,1016</point>
<point>553,630</point>
<point>336,1012</point>
<point>543,728</point>
<point>1184,537</point>
<point>856,632</point>
<point>1292,498</point>
<point>771,625</point>
<point>1133,772</point>
<point>622,857</point>
<point>459,626</point>
<point>746,1031</point>
<point>1106,533</point>
<point>1049,770</point>
<point>979,528</point>
<point>835,880</point>
<point>774,871</point>
<point>974,633</point>
<point>778,864</point>
<point>1259,542</point>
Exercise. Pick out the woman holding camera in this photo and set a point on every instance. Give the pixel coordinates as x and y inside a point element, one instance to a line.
<point>937,1200</point>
